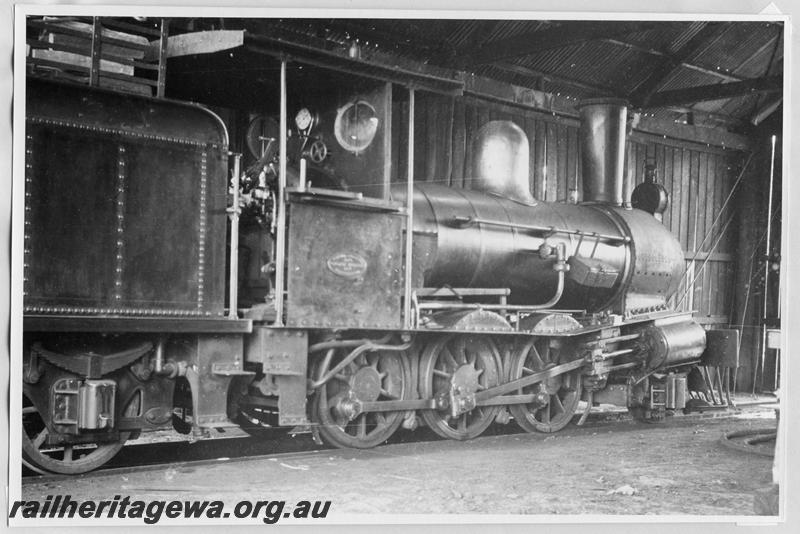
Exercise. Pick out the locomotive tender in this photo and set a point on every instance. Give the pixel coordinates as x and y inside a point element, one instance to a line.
<point>495,306</point>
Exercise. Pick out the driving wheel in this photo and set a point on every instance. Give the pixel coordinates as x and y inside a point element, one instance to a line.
<point>452,369</point>
<point>556,398</point>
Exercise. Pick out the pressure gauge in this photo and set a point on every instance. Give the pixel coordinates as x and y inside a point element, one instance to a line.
<point>304,120</point>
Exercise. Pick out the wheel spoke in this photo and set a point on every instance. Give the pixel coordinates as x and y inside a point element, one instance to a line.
<point>462,423</point>
<point>450,358</point>
<point>443,374</point>
<point>39,439</point>
<point>67,453</point>
<point>534,353</point>
<point>392,396</point>
<point>547,413</point>
<point>545,353</point>
<point>28,410</point>
<point>461,349</point>
<point>554,399</point>
<point>362,426</point>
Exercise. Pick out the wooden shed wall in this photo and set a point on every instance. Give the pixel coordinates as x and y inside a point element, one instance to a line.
<point>698,178</point>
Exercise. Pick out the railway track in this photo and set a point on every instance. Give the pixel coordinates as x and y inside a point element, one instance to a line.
<point>179,452</point>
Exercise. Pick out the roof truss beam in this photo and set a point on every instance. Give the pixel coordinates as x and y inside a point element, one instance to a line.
<point>672,63</point>
<point>547,77</point>
<point>719,91</point>
<point>550,38</point>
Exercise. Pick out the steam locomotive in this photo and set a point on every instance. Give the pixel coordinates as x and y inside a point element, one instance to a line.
<point>418,304</point>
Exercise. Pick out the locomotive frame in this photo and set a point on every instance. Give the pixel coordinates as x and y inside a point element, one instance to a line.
<point>359,328</point>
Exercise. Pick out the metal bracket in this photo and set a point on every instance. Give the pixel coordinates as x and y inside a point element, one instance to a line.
<point>283,353</point>
<point>229,369</point>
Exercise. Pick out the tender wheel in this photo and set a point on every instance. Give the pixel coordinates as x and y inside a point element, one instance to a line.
<point>256,420</point>
<point>67,459</point>
<point>254,412</point>
<point>557,397</point>
<point>375,376</point>
<point>457,366</point>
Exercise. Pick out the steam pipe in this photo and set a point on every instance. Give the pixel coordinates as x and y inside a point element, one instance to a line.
<point>468,221</point>
<point>560,267</point>
<point>343,343</point>
<point>355,353</point>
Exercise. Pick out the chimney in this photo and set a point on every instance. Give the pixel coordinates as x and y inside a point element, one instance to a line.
<point>602,142</point>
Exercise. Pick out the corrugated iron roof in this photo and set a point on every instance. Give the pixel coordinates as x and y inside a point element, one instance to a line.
<point>619,63</point>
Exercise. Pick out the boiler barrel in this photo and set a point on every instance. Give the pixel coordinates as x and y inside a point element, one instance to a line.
<point>496,250</point>
<point>467,238</point>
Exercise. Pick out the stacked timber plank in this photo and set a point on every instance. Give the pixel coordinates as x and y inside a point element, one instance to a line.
<point>102,52</point>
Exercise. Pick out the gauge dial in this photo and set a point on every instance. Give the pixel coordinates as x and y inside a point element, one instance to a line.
<point>304,119</point>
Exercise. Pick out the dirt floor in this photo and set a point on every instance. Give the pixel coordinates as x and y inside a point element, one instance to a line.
<point>675,468</point>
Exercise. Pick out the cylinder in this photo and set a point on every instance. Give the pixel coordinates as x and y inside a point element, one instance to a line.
<point>602,139</point>
<point>674,344</point>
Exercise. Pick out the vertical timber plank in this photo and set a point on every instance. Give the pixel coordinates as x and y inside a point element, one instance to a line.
<point>459,143</point>
<point>572,159</point>
<point>471,128</point>
<point>529,125</point>
<point>562,146</point>
<point>551,176</point>
<point>540,159</point>
<point>666,180</point>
